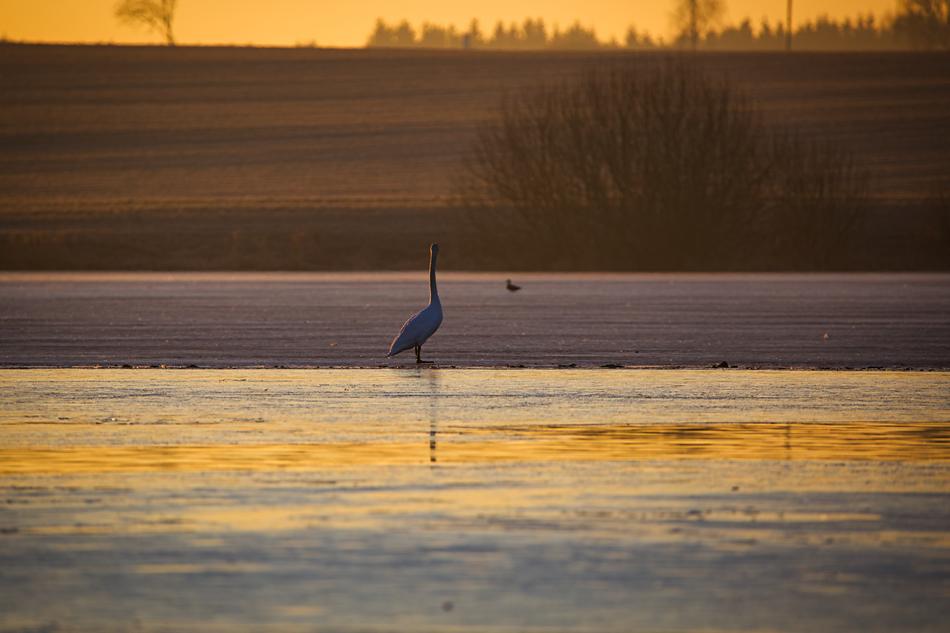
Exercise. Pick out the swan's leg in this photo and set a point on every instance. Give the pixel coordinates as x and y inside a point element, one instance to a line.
<point>419,360</point>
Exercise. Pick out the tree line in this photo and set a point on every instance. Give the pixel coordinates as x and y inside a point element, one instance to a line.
<point>532,34</point>
<point>917,24</point>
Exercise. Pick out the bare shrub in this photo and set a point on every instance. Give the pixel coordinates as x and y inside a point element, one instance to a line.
<point>941,203</point>
<point>813,205</point>
<point>656,167</point>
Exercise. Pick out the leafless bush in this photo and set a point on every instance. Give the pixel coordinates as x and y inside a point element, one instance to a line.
<point>941,201</point>
<point>655,167</point>
<point>813,206</point>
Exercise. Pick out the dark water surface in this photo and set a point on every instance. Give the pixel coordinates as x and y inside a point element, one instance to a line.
<point>474,500</point>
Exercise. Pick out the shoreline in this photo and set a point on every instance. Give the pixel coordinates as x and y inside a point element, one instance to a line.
<point>526,367</point>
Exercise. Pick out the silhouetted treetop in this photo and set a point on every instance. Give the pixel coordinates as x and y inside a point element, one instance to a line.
<point>924,23</point>
<point>532,34</point>
<point>695,18</point>
<point>157,15</point>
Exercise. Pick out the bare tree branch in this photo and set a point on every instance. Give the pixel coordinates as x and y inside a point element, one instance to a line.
<point>694,18</point>
<point>156,15</point>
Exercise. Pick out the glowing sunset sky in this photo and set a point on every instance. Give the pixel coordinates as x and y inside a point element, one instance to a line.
<point>287,22</point>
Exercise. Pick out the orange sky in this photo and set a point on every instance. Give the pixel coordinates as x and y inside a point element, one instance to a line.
<point>288,22</point>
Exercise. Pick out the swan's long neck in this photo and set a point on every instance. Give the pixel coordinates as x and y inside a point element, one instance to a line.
<point>433,290</point>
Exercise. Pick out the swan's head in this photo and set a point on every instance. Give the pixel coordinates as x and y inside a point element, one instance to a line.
<point>434,248</point>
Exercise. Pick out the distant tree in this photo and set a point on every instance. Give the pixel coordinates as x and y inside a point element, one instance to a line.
<point>499,38</point>
<point>575,38</point>
<point>473,37</point>
<point>732,37</point>
<point>635,39</point>
<point>404,35</point>
<point>694,18</point>
<point>382,35</point>
<point>157,15</point>
<point>535,33</point>
<point>781,37</point>
<point>532,35</point>
<point>824,33</point>
<point>514,36</point>
<point>401,35</point>
<point>435,36</point>
<point>925,23</point>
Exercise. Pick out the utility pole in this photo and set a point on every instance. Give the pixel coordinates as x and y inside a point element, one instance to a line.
<point>693,23</point>
<point>788,26</point>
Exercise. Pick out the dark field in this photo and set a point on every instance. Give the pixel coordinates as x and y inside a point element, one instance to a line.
<point>233,158</point>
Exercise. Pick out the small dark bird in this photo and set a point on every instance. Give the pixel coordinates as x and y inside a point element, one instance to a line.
<point>510,286</point>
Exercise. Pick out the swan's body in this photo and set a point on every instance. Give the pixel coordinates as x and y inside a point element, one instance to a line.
<point>510,286</point>
<point>423,323</point>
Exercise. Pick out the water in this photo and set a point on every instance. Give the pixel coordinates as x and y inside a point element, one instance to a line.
<point>474,500</point>
<point>861,320</point>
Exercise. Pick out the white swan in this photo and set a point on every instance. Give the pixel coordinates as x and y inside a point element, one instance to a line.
<point>423,323</point>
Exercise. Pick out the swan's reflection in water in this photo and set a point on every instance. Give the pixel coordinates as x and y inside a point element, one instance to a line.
<point>432,379</point>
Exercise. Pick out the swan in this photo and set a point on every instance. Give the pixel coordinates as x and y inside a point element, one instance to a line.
<point>423,323</point>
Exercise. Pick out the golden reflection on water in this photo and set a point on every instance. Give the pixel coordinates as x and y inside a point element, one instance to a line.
<point>200,480</point>
<point>824,442</point>
<point>597,507</point>
<point>65,421</point>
